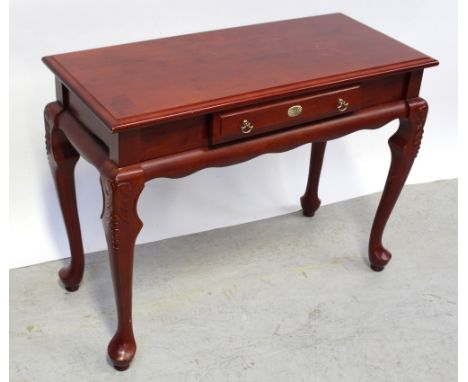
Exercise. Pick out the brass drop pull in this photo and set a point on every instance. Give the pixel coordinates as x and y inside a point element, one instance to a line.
<point>246,126</point>
<point>342,105</point>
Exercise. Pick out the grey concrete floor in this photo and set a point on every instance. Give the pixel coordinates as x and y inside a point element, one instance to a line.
<point>282,299</point>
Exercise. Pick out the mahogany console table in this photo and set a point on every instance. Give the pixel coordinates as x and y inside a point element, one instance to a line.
<point>173,106</point>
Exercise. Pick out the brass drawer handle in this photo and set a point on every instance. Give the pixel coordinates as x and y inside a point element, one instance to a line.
<point>342,105</point>
<point>246,126</point>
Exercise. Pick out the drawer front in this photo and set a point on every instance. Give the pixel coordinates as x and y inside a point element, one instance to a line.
<point>250,121</point>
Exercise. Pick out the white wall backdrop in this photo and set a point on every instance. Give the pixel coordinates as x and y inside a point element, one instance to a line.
<point>267,186</point>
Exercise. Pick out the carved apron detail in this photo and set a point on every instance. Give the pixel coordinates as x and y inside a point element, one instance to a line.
<point>419,121</point>
<point>47,142</point>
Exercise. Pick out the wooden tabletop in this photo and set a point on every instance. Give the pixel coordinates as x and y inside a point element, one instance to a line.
<point>136,84</point>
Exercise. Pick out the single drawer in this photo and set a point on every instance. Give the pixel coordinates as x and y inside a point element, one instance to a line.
<point>250,121</point>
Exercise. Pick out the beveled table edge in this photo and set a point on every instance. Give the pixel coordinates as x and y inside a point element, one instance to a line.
<point>238,100</point>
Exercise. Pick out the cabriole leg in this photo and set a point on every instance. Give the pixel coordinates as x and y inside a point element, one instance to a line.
<point>310,201</point>
<point>122,225</point>
<point>62,160</point>
<point>404,145</point>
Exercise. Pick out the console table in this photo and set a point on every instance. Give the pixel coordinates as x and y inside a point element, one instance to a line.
<point>173,106</point>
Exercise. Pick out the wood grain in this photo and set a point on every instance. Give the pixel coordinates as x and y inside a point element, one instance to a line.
<point>138,84</point>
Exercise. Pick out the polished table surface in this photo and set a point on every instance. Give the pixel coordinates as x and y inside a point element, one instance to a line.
<point>141,83</point>
<point>169,107</point>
